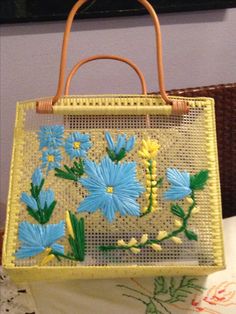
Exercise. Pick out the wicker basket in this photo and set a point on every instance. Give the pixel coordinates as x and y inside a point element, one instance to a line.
<point>225,108</point>
<point>148,204</point>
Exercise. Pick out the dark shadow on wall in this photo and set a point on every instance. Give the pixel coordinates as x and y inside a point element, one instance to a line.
<point>114,23</point>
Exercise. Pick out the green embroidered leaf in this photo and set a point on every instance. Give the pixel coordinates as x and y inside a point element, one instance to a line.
<point>78,168</point>
<point>35,190</point>
<point>160,182</point>
<point>78,243</point>
<point>198,181</point>
<point>121,154</point>
<point>62,174</point>
<point>111,154</point>
<point>48,212</point>
<point>116,157</point>
<point>191,235</point>
<point>34,214</point>
<point>159,285</point>
<point>177,210</point>
<point>68,174</point>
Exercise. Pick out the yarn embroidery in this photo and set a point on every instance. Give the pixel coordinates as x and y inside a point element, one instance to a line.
<point>51,159</point>
<point>112,188</point>
<point>176,178</point>
<point>36,239</point>
<point>118,151</point>
<point>40,202</point>
<point>148,153</point>
<point>76,146</point>
<point>51,136</point>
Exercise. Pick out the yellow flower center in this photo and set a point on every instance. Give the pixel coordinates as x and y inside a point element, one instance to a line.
<point>51,158</point>
<point>110,189</point>
<point>76,145</point>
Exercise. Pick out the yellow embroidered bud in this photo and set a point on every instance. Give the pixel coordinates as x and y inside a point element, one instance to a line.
<point>45,253</point>
<point>141,154</point>
<point>154,202</point>
<point>154,190</point>
<point>146,153</point>
<point>146,163</point>
<point>147,195</point>
<point>47,259</point>
<point>154,183</point>
<point>195,210</point>
<point>135,250</point>
<point>154,164</point>
<point>154,196</point>
<point>178,223</point>
<point>153,209</point>
<point>47,250</point>
<point>189,200</point>
<point>148,190</point>
<point>153,155</point>
<point>121,243</point>
<point>176,240</point>
<point>144,238</point>
<point>144,210</point>
<point>148,183</point>
<point>69,225</point>
<point>148,177</point>
<point>154,169</point>
<point>144,142</point>
<point>161,235</point>
<point>156,247</point>
<point>132,242</point>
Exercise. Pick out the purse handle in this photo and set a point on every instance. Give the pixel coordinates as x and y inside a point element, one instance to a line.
<point>105,57</point>
<point>46,106</point>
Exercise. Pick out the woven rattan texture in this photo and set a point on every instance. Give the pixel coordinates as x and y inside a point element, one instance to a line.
<point>225,108</point>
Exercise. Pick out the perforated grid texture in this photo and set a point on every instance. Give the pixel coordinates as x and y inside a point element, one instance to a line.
<point>186,143</point>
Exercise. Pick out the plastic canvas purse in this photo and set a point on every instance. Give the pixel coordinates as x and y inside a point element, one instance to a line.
<point>111,186</point>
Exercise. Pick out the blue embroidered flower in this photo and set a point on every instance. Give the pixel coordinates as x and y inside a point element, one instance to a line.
<point>51,159</point>
<point>113,187</point>
<point>180,184</point>
<point>51,136</point>
<point>29,201</point>
<point>121,143</point>
<point>37,177</point>
<point>36,238</point>
<point>46,198</point>
<point>77,145</point>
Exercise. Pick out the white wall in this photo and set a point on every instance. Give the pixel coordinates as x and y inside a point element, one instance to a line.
<point>199,49</point>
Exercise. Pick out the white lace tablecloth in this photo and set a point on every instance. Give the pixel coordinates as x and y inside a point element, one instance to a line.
<point>215,294</point>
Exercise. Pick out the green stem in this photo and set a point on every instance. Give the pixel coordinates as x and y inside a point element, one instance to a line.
<point>150,242</point>
<point>159,182</point>
<point>57,254</point>
<point>149,209</point>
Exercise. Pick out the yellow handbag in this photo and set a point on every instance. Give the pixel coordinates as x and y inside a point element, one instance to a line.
<point>112,186</point>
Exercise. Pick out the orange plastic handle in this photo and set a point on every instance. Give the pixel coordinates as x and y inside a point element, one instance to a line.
<point>105,57</point>
<point>70,19</point>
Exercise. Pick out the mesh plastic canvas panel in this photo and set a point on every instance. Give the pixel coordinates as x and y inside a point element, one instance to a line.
<point>188,142</point>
